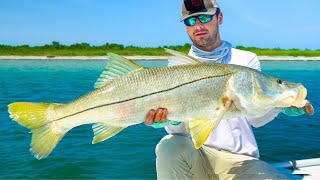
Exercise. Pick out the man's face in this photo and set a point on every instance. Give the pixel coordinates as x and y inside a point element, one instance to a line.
<point>206,36</point>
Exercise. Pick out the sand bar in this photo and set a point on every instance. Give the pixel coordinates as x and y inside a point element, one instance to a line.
<point>266,58</point>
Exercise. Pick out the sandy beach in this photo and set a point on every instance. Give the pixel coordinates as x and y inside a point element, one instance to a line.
<point>263,58</point>
<point>79,57</point>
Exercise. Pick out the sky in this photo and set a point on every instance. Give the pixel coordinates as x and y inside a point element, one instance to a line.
<point>282,24</point>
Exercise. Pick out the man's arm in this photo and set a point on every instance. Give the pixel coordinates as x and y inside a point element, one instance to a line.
<point>290,111</point>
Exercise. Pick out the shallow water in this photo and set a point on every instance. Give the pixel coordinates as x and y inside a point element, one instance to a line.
<point>130,154</point>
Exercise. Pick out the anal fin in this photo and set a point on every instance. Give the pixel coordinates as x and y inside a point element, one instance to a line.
<point>104,131</point>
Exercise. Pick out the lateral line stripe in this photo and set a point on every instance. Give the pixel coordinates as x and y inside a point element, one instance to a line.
<point>209,77</point>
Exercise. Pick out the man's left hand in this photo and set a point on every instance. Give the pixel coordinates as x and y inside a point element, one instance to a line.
<point>295,111</point>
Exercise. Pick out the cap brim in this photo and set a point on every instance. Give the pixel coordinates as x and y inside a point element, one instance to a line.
<point>211,11</point>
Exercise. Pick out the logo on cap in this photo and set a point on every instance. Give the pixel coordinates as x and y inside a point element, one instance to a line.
<point>196,2</point>
<point>194,5</point>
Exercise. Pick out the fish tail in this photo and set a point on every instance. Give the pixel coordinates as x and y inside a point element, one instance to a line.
<point>33,116</point>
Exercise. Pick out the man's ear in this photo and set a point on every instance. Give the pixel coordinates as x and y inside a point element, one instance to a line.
<point>220,18</point>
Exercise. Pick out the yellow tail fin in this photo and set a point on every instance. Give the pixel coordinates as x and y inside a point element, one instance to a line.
<point>32,116</point>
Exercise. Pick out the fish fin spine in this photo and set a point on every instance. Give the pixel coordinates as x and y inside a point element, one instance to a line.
<point>33,116</point>
<point>103,132</point>
<point>44,140</point>
<point>179,58</point>
<point>29,115</point>
<point>200,129</point>
<point>118,66</point>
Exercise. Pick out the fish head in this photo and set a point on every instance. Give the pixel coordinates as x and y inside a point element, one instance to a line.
<point>258,93</point>
<point>279,92</point>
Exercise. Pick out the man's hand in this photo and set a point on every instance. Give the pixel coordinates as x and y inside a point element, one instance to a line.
<point>309,108</point>
<point>160,115</point>
<point>295,111</point>
<point>158,118</point>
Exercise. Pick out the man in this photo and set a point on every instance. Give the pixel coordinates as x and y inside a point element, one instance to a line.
<point>231,150</point>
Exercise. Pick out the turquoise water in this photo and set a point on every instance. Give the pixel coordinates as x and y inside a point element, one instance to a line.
<point>130,154</point>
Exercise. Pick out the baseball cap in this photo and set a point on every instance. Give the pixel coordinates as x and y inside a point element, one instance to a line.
<point>196,7</point>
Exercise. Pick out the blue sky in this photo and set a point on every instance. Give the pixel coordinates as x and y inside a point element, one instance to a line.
<point>150,23</point>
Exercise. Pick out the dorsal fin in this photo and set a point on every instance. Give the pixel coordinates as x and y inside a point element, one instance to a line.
<point>118,66</point>
<point>180,58</point>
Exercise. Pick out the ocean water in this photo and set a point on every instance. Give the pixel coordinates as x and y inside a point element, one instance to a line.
<point>129,154</point>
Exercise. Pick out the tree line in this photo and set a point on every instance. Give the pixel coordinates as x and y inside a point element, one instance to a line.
<point>85,49</point>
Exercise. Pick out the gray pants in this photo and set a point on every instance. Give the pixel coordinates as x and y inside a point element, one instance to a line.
<point>178,159</point>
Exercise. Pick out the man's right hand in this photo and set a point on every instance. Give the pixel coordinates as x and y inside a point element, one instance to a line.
<point>156,116</point>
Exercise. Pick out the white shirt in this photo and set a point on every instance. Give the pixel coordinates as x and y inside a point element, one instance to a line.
<point>234,135</point>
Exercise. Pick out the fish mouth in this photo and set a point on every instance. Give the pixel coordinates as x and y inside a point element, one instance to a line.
<point>295,97</point>
<point>300,99</point>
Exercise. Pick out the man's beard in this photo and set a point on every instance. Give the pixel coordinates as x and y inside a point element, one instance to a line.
<point>205,42</point>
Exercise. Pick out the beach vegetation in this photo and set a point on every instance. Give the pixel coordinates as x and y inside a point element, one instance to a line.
<point>86,49</point>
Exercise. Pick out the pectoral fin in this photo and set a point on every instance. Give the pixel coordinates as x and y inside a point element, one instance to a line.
<point>201,128</point>
<point>103,132</point>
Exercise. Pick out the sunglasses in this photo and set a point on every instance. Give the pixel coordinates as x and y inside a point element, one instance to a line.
<point>203,18</point>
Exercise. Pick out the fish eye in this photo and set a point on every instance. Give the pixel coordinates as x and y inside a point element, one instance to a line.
<point>279,81</point>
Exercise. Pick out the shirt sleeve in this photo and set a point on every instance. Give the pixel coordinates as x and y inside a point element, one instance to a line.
<point>253,61</point>
<point>177,129</point>
<point>263,120</point>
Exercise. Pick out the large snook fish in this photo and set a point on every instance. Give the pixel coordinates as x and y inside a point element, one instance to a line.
<point>199,94</point>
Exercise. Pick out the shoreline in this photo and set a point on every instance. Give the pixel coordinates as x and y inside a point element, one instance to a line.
<point>140,57</point>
